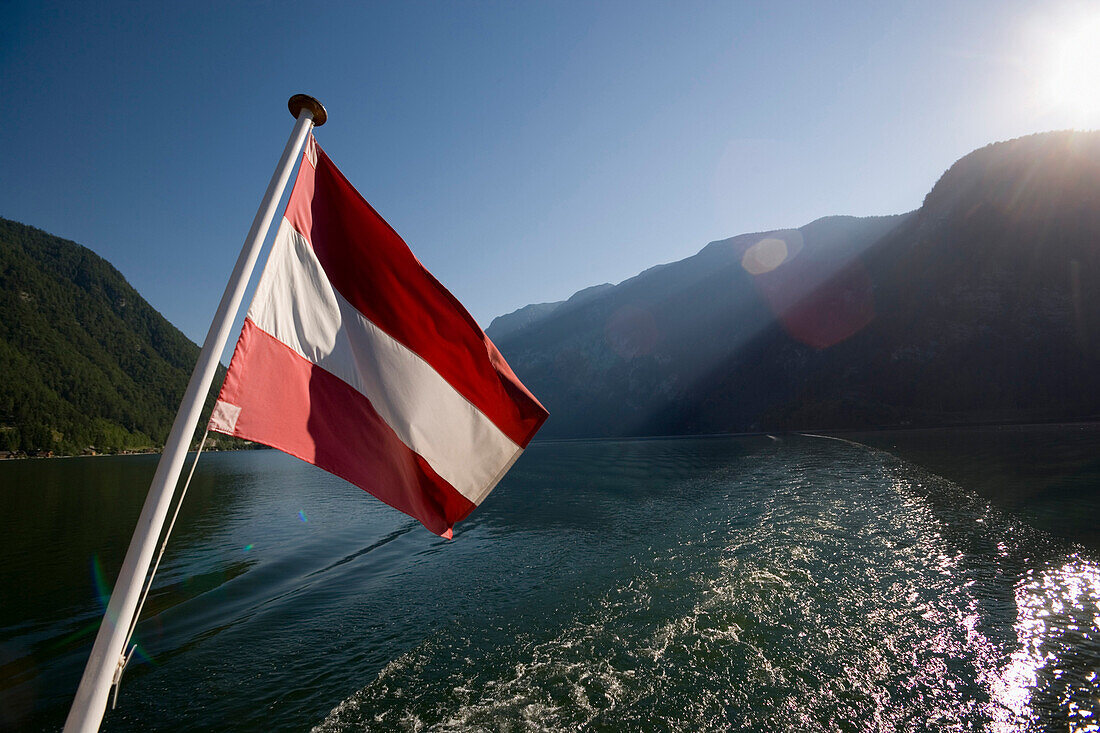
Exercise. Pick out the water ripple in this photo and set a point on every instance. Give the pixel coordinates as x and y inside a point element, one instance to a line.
<point>858,599</point>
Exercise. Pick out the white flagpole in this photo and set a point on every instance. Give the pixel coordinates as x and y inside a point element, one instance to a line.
<point>90,703</point>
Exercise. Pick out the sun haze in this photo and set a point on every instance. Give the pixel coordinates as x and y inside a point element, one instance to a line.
<point>524,151</point>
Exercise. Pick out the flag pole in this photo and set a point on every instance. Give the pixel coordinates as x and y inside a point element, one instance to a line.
<point>106,658</point>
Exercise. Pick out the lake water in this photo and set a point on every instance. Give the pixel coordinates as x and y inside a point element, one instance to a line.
<point>771,584</point>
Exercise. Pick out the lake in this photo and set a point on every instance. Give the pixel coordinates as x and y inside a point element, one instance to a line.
<point>757,583</point>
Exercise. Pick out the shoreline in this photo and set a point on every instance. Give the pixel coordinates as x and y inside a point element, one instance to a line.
<point>146,452</point>
<point>821,432</point>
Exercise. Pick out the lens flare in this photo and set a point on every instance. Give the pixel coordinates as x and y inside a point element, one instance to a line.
<point>764,256</point>
<point>99,582</point>
<point>103,595</point>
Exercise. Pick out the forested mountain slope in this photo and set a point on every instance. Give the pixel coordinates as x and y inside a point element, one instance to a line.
<point>86,364</point>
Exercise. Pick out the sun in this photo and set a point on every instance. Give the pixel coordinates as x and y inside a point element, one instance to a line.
<point>1073,80</point>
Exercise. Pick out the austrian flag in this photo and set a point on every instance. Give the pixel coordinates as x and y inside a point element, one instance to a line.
<point>355,359</point>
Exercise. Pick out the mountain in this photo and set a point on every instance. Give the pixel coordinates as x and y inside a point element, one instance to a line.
<point>520,319</point>
<point>528,315</point>
<point>87,364</point>
<point>980,306</point>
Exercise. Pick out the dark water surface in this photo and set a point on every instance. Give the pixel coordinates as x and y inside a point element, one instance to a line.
<point>1048,475</point>
<point>692,584</point>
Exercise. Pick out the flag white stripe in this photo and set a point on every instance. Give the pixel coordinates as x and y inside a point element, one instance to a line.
<point>296,304</point>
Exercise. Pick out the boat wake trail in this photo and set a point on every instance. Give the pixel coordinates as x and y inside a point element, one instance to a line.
<point>824,585</point>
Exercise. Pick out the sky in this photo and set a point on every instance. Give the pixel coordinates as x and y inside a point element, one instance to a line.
<point>524,150</point>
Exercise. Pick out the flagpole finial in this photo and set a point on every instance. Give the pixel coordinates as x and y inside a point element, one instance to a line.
<point>303,101</point>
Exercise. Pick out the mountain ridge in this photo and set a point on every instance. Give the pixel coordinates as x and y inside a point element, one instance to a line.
<point>963,310</point>
<point>982,305</point>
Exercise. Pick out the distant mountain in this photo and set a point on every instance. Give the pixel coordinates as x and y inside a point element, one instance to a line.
<point>520,319</point>
<point>528,315</point>
<point>982,305</point>
<point>86,364</point>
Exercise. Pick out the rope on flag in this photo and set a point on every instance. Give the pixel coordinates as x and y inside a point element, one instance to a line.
<point>354,358</point>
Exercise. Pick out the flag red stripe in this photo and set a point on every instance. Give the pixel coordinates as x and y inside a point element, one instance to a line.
<point>295,303</point>
<point>371,266</point>
<point>320,419</point>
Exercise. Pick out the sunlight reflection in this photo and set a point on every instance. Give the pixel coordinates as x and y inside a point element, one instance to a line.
<point>1057,610</point>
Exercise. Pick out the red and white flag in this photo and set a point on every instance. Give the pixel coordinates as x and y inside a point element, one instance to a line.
<point>355,359</point>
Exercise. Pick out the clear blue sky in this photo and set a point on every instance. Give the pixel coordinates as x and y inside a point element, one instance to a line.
<point>524,150</point>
